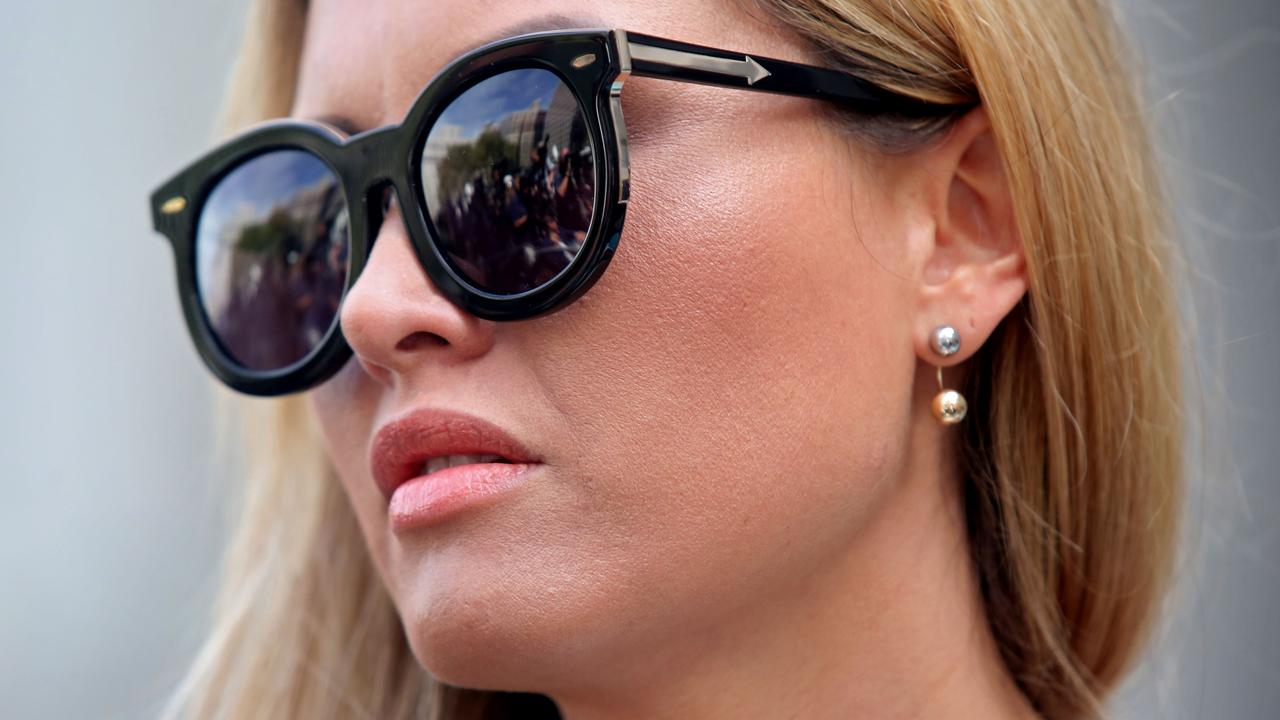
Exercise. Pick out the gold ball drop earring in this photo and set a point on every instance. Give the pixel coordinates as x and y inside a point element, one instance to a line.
<point>949,406</point>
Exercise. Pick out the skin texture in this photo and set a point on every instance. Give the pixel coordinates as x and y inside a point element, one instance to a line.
<point>746,508</point>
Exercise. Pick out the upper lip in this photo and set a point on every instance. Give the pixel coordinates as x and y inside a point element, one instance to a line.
<point>401,447</point>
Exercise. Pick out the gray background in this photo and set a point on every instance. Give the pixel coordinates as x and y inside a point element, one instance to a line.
<point>112,512</point>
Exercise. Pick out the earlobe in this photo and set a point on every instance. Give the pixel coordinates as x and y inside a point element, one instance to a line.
<point>976,272</point>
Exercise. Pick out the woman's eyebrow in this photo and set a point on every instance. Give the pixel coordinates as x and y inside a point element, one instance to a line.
<point>539,23</point>
<point>548,21</point>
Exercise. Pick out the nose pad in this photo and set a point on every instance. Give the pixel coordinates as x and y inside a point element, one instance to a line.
<point>388,199</point>
<point>379,203</point>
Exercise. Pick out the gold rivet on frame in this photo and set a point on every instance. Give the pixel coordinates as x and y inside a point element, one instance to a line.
<point>174,205</point>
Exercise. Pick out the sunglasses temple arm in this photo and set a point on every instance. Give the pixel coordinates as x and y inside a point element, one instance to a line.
<point>662,58</point>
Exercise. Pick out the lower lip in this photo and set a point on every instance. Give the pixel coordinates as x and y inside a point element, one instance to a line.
<point>431,498</point>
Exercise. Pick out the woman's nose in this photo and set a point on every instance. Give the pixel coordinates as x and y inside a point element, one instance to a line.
<point>395,319</point>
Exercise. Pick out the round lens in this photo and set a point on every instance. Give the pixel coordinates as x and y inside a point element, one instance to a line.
<point>271,258</point>
<point>509,180</point>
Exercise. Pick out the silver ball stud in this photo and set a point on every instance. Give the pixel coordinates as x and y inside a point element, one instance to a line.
<point>945,340</point>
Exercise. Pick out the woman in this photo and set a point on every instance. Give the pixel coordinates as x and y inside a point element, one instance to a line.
<point>735,477</point>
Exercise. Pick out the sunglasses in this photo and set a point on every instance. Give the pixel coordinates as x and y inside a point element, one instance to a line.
<point>510,170</point>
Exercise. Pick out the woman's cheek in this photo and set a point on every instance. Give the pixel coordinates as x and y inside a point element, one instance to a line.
<point>344,408</point>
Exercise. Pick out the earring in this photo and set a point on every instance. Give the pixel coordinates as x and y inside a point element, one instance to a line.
<point>949,406</point>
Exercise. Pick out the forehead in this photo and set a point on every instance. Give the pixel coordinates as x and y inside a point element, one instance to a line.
<point>367,60</point>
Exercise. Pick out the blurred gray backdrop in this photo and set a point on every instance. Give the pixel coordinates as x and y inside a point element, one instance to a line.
<point>112,512</point>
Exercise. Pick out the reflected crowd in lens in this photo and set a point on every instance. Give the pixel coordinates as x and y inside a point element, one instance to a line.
<point>272,252</point>
<point>509,178</point>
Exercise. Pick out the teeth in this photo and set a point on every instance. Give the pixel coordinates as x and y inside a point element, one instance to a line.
<point>448,461</point>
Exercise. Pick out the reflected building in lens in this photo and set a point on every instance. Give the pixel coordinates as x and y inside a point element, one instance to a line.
<point>555,125</point>
<point>443,136</point>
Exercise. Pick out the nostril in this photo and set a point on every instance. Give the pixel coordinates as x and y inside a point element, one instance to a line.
<point>420,339</point>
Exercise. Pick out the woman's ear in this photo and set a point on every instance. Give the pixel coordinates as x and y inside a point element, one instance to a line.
<point>975,272</point>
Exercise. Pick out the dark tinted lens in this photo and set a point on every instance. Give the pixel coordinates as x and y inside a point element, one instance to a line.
<point>271,257</point>
<point>509,179</point>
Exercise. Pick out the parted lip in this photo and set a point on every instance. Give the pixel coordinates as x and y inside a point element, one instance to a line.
<point>401,447</point>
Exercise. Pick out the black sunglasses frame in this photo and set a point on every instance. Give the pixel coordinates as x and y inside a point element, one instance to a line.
<point>593,64</point>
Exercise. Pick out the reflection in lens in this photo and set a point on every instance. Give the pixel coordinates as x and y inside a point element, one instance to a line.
<point>271,258</point>
<point>509,179</point>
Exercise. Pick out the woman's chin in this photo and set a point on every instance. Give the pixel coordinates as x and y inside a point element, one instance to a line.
<point>476,633</point>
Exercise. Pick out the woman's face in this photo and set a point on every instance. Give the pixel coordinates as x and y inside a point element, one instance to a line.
<point>717,417</point>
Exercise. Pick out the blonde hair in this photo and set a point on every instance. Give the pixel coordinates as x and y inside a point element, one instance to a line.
<point>1071,453</point>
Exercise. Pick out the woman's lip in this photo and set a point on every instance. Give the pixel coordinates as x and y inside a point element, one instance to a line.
<point>432,498</point>
<point>400,448</point>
